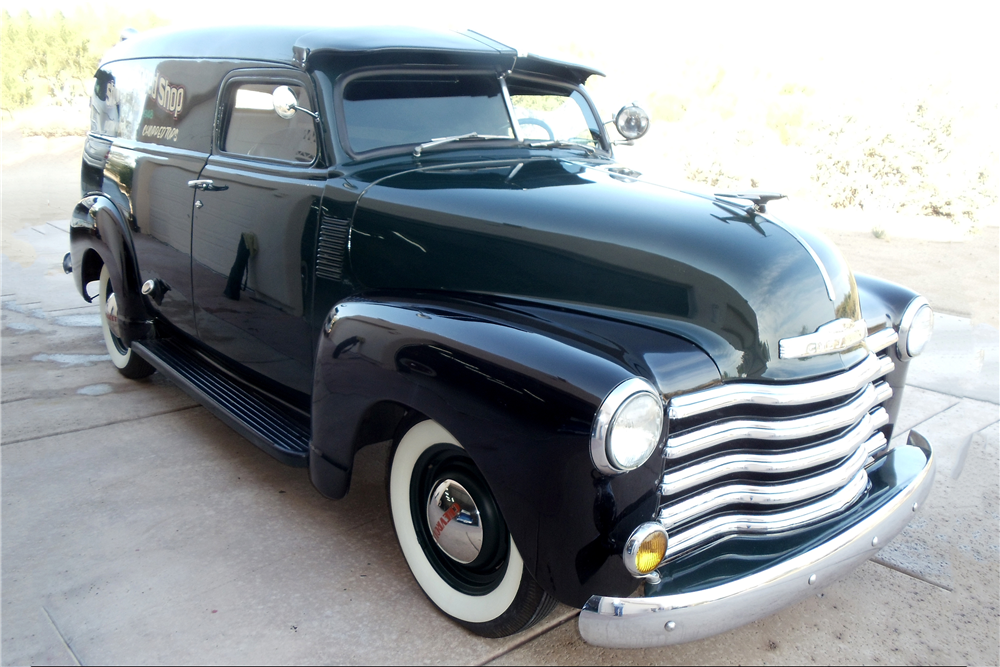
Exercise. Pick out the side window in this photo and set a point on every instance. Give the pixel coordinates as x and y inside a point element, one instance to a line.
<point>254,128</point>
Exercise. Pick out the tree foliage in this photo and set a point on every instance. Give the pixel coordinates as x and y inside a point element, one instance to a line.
<point>52,57</point>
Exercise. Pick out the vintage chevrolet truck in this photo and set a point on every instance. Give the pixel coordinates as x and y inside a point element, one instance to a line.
<point>334,237</point>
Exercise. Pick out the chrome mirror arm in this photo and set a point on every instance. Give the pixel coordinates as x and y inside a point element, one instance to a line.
<point>313,114</point>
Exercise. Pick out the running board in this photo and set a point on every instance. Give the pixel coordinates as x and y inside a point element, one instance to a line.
<point>278,430</point>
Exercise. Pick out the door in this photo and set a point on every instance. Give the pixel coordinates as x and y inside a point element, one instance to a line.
<point>256,209</point>
<point>160,114</point>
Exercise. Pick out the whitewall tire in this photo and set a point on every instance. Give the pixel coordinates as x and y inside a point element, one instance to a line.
<point>128,364</point>
<point>492,594</point>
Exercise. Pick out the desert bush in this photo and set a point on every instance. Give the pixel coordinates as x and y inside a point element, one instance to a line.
<point>51,58</point>
<point>908,161</point>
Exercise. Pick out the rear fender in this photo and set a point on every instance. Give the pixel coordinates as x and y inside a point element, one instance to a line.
<point>99,235</point>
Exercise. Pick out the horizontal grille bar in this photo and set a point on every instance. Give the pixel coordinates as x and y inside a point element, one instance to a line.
<point>783,462</point>
<point>880,340</point>
<point>764,495</point>
<point>767,523</point>
<point>749,458</point>
<point>688,443</point>
<point>725,396</point>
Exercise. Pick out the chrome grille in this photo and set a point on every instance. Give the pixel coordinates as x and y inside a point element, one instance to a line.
<point>755,458</point>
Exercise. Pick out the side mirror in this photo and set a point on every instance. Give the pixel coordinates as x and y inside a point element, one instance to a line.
<point>284,102</point>
<point>632,122</point>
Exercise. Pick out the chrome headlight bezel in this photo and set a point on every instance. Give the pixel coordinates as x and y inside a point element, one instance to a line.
<point>631,551</point>
<point>632,122</point>
<point>912,315</point>
<point>611,407</point>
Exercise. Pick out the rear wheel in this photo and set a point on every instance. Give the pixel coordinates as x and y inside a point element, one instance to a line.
<point>454,537</point>
<point>128,364</point>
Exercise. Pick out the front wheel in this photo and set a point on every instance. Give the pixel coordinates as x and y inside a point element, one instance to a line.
<point>454,537</point>
<point>128,363</point>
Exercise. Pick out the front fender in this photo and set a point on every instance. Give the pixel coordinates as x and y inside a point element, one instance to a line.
<point>519,387</point>
<point>882,304</point>
<point>99,235</point>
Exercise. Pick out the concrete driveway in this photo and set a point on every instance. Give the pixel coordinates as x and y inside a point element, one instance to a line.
<point>137,528</point>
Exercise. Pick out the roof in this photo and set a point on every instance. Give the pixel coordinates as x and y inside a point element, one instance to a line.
<point>294,44</point>
<point>276,43</point>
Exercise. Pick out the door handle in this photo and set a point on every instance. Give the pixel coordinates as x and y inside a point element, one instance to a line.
<point>206,184</point>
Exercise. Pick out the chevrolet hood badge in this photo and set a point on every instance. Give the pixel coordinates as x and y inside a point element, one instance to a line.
<point>835,336</point>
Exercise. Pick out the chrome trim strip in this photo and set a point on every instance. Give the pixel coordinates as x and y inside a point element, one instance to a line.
<point>876,443</point>
<point>905,323</point>
<point>639,535</point>
<point>880,340</point>
<point>765,524</point>
<point>605,416</point>
<point>688,443</point>
<point>755,494</point>
<point>836,336</point>
<point>812,253</point>
<point>728,395</point>
<point>510,107</point>
<point>674,619</point>
<point>861,435</point>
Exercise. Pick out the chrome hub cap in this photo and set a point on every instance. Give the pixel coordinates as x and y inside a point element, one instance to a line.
<point>454,521</point>
<point>111,315</point>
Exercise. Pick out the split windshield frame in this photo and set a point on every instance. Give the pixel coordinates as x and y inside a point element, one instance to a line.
<point>343,80</point>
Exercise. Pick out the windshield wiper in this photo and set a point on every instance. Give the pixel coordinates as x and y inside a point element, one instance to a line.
<point>561,144</point>
<point>460,137</point>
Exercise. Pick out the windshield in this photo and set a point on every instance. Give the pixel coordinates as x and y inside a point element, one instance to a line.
<point>397,110</point>
<point>547,113</point>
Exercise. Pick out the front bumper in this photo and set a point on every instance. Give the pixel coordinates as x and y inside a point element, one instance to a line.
<point>899,484</point>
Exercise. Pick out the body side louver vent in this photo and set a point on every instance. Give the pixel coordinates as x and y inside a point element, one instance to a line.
<point>331,248</point>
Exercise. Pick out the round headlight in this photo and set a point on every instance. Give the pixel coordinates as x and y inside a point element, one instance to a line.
<point>632,122</point>
<point>915,328</point>
<point>627,427</point>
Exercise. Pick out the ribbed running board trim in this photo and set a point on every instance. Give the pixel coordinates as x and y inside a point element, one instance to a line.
<point>282,434</point>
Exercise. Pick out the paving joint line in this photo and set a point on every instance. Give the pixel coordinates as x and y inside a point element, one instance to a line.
<point>526,640</point>
<point>86,305</point>
<point>910,573</point>
<point>964,453</point>
<point>958,396</point>
<point>90,428</point>
<point>55,627</point>
<point>961,398</point>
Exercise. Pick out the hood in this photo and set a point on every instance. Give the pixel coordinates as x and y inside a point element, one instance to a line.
<point>585,237</point>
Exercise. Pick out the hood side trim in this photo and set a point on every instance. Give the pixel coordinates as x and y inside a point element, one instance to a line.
<point>812,253</point>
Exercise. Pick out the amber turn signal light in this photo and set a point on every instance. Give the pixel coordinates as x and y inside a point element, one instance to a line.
<point>645,549</point>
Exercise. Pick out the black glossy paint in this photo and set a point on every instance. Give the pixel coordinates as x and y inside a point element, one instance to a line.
<point>287,44</point>
<point>518,386</point>
<point>254,311</point>
<point>502,292</point>
<point>882,305</point>
<point>573,233</point>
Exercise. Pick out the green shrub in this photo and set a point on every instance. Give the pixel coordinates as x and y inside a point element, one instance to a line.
<point>52,57</point>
